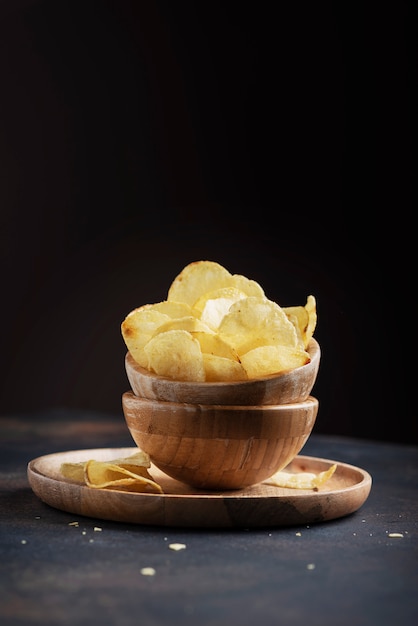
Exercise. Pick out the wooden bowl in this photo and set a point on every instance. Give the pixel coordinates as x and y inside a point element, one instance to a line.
<point>219,447</point>
<point>289,387</point>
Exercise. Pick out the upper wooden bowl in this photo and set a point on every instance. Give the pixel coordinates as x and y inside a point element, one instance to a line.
<point>219,447</point>
<point>291,386</point>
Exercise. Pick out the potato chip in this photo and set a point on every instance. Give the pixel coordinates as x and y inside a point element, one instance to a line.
<point>211,343</point>
<point>214,305</point>
<point>301,339</point>
<point>306,318</point>
<point>175,354</point>
<point>248,286</point>
<point>106,475</point>
<point>137,329</point>
<point>138,459</point>
<point>219,368</point>
<point>129,473</point>
<point>299,317</point>
<point>311,308</point>
<point>301,480</point>
<point>255,322</point>
<point>172,309</point>
<point>189,322</point>
<point>75,471</point>
<point>266,360</point>
<point>196,279</point>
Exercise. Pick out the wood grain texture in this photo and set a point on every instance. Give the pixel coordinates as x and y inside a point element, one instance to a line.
<point>219,447</point>
<point>261,505</point>
<point>293,386</point>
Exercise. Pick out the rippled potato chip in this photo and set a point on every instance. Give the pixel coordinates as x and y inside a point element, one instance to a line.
<point>172,309</point>
<point>175,354</point>
<point>304,318</point>
<point>248,286</point>
<point>301,339</point>
<point>266,360</point>
<point>107,475</point>
<point>189,322</point>
<point>196,279</point>
<point>255,322</point>
<point>214,305</point>
<point>128,473</point>
<point>211,343</point>
<point>301,480</point>
<point>313,318</point>
<point>299,317</point>
<point>137,329</point>
<point>201,277</point>
<point>219,368</point>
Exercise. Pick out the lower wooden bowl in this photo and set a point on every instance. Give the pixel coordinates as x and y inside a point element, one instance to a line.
<point>219,446</point>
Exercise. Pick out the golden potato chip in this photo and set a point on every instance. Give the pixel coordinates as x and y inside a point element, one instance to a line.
<point>214,305</point>
<point>229,293</point>
<point>266,360</point>
<point>248,286</point>
<point>107,475</point>
<point>175,354</point>
<point>172,309</point>
<point>123,473</point>
<point>299,317</point>
<point>301,480</point>
<point>75,471</point>
<point>311,308</point>
<point>219,368</point>
<point>254,322</point>
<point>211,343</point>
<point>306,318</point>
<point>189,322</point>
<point>137,329</point>
<point>301,338</point>
<point>196,279</point>
<point>137,459</point>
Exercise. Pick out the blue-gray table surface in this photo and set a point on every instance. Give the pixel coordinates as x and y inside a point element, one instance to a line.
<point>347,571</point>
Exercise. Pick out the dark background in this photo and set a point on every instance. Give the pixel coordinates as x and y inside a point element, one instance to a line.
<point>136,137</point>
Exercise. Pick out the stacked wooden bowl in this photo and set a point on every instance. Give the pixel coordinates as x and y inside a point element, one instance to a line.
<point>220,435</point>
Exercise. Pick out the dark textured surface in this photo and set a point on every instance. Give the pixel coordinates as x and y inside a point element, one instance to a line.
<point>53,572</point>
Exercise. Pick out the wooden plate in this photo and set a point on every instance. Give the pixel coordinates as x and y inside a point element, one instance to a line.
<point>260,505</point>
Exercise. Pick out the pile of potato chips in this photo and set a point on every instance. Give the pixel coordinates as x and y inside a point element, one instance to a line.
<point>218,326</point>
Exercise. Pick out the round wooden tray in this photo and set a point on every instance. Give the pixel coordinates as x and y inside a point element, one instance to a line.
<point>260,505</point>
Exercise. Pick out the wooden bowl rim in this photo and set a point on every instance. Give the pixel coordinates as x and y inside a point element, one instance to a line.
<point>167,404</point>
<point>314,350</point>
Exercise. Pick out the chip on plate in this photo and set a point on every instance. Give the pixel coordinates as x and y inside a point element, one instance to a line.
<point>107,475</point>
<point>301,480</point>
<point>128,473</point>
